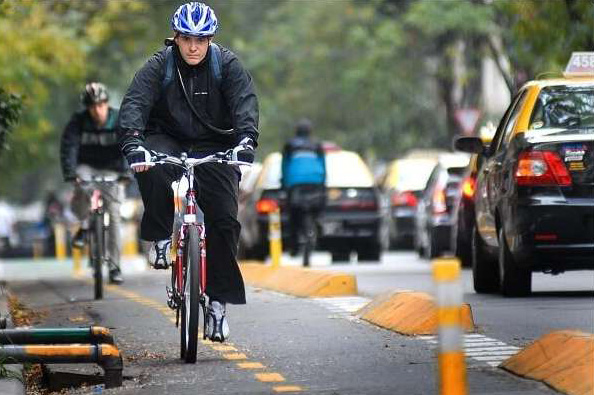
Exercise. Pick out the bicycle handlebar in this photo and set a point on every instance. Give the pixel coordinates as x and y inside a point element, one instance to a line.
<point>98,179</point>
<point>187,163</point>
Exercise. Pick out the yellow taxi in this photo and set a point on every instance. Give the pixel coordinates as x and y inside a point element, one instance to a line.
<point>534,198</point>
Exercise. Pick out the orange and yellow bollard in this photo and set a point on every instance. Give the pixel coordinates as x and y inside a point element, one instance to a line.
<point>274,236</point>
<point>451,358</point>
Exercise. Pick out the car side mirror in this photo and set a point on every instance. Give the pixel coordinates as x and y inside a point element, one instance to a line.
<point>472,145</point>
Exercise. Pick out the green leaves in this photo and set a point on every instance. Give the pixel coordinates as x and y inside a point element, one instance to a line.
<point>10,111</point>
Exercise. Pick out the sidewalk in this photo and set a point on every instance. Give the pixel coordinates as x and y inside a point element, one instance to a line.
<point>30,269</point>
<point>12,385</point>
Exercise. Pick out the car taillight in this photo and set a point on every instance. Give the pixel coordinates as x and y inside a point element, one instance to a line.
<point>468,187</point>
<point>439,201</point>
<point>266,206</point>
<point>539,168</point>
<point>406,198</point>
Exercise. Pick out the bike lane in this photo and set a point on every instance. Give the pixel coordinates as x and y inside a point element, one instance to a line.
<point>278,344</point>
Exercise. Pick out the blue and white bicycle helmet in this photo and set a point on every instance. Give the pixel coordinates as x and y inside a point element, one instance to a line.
<point>194,19</point>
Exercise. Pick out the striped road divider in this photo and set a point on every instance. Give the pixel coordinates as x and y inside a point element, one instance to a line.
<point>274,235</point>
<point>105,355</point>
<point>451,360</point>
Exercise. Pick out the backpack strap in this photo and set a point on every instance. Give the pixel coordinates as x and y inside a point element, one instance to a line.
<point>168,67</point>
<point>216,63</point>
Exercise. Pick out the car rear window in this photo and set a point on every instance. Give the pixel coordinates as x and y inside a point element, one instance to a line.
<point>345,169</point>
<point>410,174</point>
<point>564,107</point>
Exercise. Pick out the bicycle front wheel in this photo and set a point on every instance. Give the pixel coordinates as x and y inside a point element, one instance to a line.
<point>191,298</point>
<point>97,252</point>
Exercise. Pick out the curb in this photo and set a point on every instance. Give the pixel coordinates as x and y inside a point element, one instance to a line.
<point>13,385</point>
<point>562,359</point>
<point>409,313</point>
<point>299,281</point>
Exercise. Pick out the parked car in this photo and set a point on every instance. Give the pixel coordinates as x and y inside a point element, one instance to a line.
<point>402,187</point>
<point>352,220</point>
<point>534,196</point>
<point>434,216</point>
<point>464,206</point>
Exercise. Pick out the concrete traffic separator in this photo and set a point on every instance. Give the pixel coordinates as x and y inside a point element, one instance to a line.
<point>409,313</point>
<point>562,359</point>
<point>299,281</point>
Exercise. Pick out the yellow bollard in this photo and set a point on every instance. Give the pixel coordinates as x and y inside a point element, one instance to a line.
<point>451,358</point>
<point>130,239</point>
<point>37,249</point>
<point>76,260</point>
<point>274,236</point>
<point>60,240</point>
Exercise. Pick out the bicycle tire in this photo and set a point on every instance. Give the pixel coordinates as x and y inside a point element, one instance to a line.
<point>191,298</point>
<point>310,235</point>
<point>97,248</point>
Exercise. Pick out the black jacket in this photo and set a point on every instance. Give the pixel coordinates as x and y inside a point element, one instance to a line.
<point>84,143</point>
<point>147,108</point>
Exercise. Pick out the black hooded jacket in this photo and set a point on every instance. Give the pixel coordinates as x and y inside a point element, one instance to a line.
<point>83,143</point>
<point>149,107</point>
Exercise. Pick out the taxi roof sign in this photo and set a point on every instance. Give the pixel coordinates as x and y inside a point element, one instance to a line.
<point>580,64</point>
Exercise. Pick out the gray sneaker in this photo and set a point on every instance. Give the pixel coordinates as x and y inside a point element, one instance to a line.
<point>159,255</point>
<point>217,328</point>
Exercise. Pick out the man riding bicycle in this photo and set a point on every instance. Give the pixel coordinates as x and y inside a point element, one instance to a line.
<point>89,147</point>
<point>193,96</point>
<point>303,177</point>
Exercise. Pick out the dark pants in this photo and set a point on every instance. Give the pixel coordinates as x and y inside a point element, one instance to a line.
<point>303,199</point>
<point>217,187</point>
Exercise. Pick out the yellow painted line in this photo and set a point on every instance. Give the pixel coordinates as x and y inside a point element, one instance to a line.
<point>220,347</point>
<point>235,356</point>
<point>250,365</point>
<point>287,388</point>
<point>269,377</point>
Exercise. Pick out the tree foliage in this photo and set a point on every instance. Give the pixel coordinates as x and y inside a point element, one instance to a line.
<point>10,111</point>
<point>377,76</point>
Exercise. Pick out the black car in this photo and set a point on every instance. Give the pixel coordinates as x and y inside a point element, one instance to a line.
<point>434,217</point>
<point>464,214</point>
<point>353,219</point>
<point>534,197</point>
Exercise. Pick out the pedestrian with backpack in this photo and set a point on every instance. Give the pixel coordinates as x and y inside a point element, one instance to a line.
<point>193,96</point>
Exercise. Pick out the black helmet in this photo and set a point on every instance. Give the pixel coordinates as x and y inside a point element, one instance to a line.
<point>95,92</point>
<point>303,127</point>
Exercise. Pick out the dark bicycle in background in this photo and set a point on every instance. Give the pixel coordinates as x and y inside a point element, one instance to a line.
<point>306,203</point>
<point>99,222</point>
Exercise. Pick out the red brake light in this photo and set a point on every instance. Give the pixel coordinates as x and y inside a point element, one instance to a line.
<point>266,206</point>
<point>439,201</point>
<point>406,198</point>
<point>541,168</point>
<point>468,187</point>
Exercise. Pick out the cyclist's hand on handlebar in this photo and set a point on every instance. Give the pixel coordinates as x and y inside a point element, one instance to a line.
<point>244,152</point>
<point>139,159</point>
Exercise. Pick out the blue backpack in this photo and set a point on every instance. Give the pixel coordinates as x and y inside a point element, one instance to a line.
<point>216,65</point>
